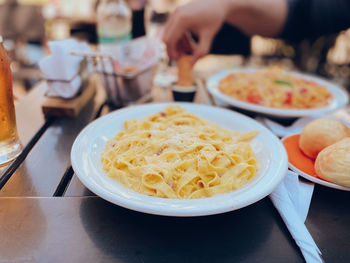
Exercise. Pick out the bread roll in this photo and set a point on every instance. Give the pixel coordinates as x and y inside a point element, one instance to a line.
<point>333,163</point>
<point>321,133</point>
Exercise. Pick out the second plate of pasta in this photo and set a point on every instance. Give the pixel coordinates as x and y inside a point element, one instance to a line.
<point>276,92</point>
<point>178,159</point>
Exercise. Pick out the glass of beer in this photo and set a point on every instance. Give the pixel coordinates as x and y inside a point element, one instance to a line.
<point>10,146</point>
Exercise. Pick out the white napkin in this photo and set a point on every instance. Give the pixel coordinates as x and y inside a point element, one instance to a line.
<point>292,197</point>
<point>282,131</point>
<point>292,200</point>
<point>60,65</point>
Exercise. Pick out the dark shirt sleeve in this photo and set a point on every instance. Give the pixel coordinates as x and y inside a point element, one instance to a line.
<point>313,18</point>
<point>229,40</point>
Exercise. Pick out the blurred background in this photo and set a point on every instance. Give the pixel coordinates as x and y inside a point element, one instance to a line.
<point>27,26</point>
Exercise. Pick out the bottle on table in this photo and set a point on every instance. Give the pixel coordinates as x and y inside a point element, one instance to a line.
<point>10,146</point>
<point>113,23</point>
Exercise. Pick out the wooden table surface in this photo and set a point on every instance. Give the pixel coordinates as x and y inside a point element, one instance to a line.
<point>47,215</point>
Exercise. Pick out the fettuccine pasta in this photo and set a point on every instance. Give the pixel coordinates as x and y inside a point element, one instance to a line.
<point>273,87</point>
<point>175,154</point>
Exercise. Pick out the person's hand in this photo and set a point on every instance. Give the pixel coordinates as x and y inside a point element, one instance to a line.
<point>203,18</point>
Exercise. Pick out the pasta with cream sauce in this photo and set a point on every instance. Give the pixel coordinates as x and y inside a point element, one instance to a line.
<point>176,154</point>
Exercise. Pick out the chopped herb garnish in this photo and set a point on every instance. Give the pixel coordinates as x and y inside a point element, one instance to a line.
<point>282,82</point>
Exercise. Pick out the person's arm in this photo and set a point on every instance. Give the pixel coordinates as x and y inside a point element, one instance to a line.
<point>205,17</point>
<point>288,19</point>
<point>258,17</point>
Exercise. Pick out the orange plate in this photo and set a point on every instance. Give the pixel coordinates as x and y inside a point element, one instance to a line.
<point>297,158</point>
<point>304,164</point>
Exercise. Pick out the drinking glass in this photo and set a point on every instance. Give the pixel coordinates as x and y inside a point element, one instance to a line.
<point>10,146</point>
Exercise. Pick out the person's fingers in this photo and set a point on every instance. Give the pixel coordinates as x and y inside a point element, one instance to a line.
<point>203,46</point>
<point>168,37</point>
<point>172,44</point>
<point>174,32</point>
<point>168,25</point>
<point>184,45</point>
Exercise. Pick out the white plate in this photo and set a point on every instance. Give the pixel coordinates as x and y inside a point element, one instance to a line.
<point>312,178</point>
<point>340,97</point>
<point>87,148</point>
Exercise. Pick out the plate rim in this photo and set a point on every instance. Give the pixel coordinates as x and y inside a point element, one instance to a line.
<point>342,98</point>
<point>279,172</point>
<point>312,178</point>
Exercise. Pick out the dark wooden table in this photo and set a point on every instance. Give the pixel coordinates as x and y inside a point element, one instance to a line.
<point>47,215</point>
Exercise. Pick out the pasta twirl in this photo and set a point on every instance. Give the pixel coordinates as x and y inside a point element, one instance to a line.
<point>175,154</point>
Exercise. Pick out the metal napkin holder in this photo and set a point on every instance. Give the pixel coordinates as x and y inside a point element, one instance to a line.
<point>121,88</point>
